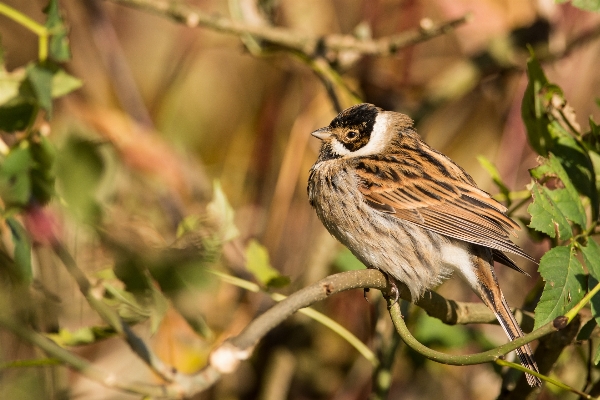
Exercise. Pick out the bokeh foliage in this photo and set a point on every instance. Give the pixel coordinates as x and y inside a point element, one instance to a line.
<point>139,207</point>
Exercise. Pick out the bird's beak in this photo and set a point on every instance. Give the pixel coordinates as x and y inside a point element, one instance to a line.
<point>322,133</point>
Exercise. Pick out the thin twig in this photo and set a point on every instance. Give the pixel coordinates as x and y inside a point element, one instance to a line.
<point>286,38</point>
<point>109,316</point>
<point>84,367</point>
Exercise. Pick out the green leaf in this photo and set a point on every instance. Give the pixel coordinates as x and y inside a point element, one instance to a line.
<point>22,251</point>
<point>597,356</point>
<point>595,300</point>
<point>221,213</point>
<point>15,183</point>
<point>191,223</point>
<point>158,309</point>
<point>42,175</point>
<point>532,110</point>
<point>16,114</point>
<point>546,217</point>
<point>40,78</point>
<point>80,170</point>
<point>81,336</point>
<point>567,199</point>
<point>579,166</point>
<point>591,256</point>
<point>59,42</point>
<point>10,83</point>
<point>564,284</point>
<point>63,83</point>
<point>587,329</point>
<point>257,263</point>
<point>346,261</point>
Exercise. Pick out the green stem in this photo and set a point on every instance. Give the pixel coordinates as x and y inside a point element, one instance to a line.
<point>469,359</point>
<point>40,30</point>
<point>317,316</point>
<point>561,385</point>
<point>575,310</point>
<point>524,195</point>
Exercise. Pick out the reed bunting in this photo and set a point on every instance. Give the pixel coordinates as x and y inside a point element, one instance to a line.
<point>408,210</point>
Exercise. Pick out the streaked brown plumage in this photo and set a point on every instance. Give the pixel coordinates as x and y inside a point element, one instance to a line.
<point>406,209</point>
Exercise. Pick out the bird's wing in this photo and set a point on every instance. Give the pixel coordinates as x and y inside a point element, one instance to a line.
<point>426,188</point>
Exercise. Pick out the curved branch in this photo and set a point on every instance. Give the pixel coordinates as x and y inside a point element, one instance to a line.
<point>286,38</point>
<point>469,359</point>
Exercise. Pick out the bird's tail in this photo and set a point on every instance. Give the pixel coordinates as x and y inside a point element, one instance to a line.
<point>490,293</point>
<point>513,331</point>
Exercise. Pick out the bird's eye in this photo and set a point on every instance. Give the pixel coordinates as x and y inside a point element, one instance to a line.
<point>351,135</point>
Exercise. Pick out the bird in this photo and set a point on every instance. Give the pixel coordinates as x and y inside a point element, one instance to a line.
<point>408,210</point>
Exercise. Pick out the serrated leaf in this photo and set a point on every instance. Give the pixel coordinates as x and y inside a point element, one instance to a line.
<point>567,200</point>
<point>257,263</point>
<point>578,165</point>
<point>220,211</point>
<point>564,284</point>
<point>546,217</point>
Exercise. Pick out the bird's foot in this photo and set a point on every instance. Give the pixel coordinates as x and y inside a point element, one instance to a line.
<point>365,291</point>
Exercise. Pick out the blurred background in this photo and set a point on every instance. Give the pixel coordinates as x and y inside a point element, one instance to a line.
<point>173,109</point>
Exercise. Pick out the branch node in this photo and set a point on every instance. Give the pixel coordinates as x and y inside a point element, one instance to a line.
<point>227,357</point>
<point>560,322</point>
<point>192,20</point>
<point>328,288</point>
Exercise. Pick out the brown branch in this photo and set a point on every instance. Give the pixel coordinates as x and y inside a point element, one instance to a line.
<point>288,39</point>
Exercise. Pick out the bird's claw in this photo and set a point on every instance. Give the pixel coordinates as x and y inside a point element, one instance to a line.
<point>365,291</point>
